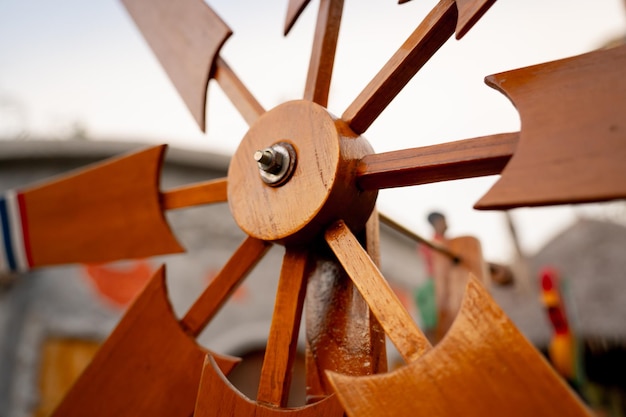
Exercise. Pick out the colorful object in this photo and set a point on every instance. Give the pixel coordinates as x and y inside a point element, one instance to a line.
<point>564,351</point>
<point>426,302</point>
<point>119,285</point>
<point>15,253</point>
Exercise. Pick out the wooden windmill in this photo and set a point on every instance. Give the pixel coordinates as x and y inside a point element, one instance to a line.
<point>307,179</point>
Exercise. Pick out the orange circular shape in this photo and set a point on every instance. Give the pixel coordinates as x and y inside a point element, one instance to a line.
<point>322,188</point>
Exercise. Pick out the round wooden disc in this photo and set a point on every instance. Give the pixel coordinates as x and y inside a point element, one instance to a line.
<point>322,188</point>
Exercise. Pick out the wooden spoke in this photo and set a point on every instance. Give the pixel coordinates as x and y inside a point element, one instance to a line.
<point>487,155</point>
<point>283,338</point>
<point>294,10</point>
<point>207,192</point>
<point>80,217</point>
<point>484,366</point>
<point>577,154</point>
<point>249,108</point>
<point>147,352</point>
<point>223,285</point>
<point>323,53</point>
<point>395,320</point>
<point>455,257</point>
<point>186,36</point>
<point>429,36</point>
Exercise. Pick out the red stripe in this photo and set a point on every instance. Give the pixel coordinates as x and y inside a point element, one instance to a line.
<point>26,236</point>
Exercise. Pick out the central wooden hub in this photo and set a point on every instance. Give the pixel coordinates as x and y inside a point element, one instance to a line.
<point>322,188</point>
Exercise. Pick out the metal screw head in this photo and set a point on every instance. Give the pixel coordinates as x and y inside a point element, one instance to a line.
<point>276,163</point>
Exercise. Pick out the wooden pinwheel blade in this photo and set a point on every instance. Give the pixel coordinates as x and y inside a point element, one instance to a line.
<point>394,319</point>
<point>147,366</point>
<point>484,366</point>
<point>487,155</point>
<point>573,139</point>
<point>217,397</point>
<point>424,42</point>
<point>186,37</point>
<point>104,213</point>
<point>294,10</point>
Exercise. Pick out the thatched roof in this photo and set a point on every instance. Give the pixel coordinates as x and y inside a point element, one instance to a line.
<point>591,256</point>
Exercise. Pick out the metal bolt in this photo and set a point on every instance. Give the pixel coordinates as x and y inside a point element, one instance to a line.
<point>276,163</point>
<point>269,160</point>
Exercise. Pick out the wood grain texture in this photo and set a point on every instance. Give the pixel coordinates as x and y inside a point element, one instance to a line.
<point>469,158</point>
<point>282,341</point>
<point>106,212</point>
<point>247,255</point>
<point>483,367</point>
<point>294,10</point>
<point>243,100</point>
<point>430,35</point>
<point>206,192</point>
<point>395,320</point>
<point>573,139</point>
<point>451,278</point>
<point>185,36</point>
<point>323,52</point>
<point>217,397</point>
<point>322,188</point>
<point>147,366</point>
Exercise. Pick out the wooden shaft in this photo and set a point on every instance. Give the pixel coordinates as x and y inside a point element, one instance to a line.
<point>206,192</point>
<point>323,52</point>
<point>486,155</point>
<point>223,285</point>
<point>500,274</point>
<point>398,324</point>
<point>433,245</point>
<point>283,338</point>
<point>429,36</point>
<point>248,106</point>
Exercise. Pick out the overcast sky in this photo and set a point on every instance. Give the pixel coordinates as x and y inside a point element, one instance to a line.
<point>82,64</point>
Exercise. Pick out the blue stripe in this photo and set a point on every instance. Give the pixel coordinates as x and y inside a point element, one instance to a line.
<point>6,234</point>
